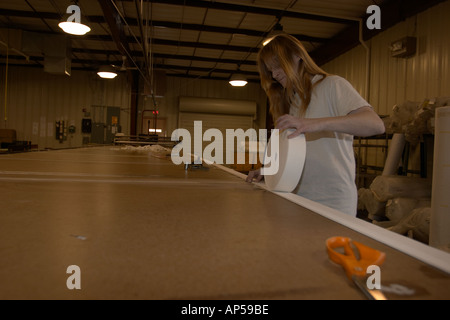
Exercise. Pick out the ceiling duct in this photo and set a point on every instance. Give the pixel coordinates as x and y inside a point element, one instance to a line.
<point>56,50</point>
<point>32,43</point>
<point>57,54</point>
<point>12,37</point>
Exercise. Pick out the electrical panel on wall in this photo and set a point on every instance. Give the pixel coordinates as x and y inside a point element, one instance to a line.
<point>61,130</point>
<point>404,48</point>
<point>86,126</point>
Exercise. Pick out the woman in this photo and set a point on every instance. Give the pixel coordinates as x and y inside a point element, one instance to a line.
<point>327,109</point>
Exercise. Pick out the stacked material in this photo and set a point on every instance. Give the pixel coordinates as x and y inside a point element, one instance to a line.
<point>398,208</point>
<point>390,187</point>
<point>415,225</point>
<point>400,116</point>
<point>153,150</point>
<point>414,119</point>
<point>399,203</point>
<point>403,204</point>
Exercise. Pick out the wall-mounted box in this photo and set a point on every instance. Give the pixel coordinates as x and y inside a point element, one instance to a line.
<point>86,126</point>
<point>404,48</point>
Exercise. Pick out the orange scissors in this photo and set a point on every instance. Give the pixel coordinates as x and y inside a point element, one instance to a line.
<point>355,260</point>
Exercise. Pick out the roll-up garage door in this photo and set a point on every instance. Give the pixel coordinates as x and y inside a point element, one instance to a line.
<point>221,114</point>
<point>215,121</point>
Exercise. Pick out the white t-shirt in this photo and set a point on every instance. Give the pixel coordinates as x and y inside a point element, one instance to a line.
<point>329,173</point>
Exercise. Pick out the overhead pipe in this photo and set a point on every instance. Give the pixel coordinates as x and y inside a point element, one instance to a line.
<point>141,29</point>
<point>125,45</point>
<point>368,61</point>
<point>149,54</point>
<point>368,57</point>
<point>16,51</point>
<point>6,76</point>
<point>6,86</point>
<point>128,52</point>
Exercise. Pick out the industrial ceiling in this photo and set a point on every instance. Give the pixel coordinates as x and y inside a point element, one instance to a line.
<point>190,38</point>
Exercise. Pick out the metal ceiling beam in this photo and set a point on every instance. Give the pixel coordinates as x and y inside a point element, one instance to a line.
<point>103,52</point>
<point>204,45</point>
<point>159,56</point>
<point>29,14</point>
<point>115,25</point>
<point>141,31</point>
<point>209,77</point>
<point>156,23</point>
<point>203,59</point>
<point>246,32</point>
<point>187,44</point>
<point>114,21</point>
<point>139,54</point>
<point>207,70</point>
<point>159,66</point>
<point>253,9</point>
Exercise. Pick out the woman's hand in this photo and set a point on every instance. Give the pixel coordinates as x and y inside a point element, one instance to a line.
<point>300,125</point>
<point>363,122</point>
<point>254,175</point>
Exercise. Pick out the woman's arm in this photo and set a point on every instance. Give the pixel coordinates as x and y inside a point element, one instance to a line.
<point>362,122</point>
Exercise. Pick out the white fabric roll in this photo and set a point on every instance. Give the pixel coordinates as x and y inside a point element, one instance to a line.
<point>290,157</point>
<point>440,195</point>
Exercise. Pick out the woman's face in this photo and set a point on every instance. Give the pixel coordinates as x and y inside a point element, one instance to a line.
<point>278,73</point>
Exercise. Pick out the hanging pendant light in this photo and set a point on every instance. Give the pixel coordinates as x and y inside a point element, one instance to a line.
<point>107,72</point>
<point>72,23</point>
<point>238,80</point>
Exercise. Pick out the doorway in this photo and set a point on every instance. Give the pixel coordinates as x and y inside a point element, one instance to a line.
<point>105,125</point>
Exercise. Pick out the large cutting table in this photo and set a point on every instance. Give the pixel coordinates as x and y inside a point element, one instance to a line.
<point>140,227</point>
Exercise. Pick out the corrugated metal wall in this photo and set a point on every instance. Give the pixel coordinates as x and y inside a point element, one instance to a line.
<point>397,80</point>
<point>36,100</point>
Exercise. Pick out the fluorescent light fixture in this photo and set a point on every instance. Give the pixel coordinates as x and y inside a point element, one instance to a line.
<point>155,130</point>
<point>107,72</point>
<point>238,80</point>
<point>72,21</point>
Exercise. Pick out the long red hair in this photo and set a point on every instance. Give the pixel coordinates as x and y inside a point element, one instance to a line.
<point>283,49</point>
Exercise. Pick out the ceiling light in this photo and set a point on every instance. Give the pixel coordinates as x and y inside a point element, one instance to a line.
<point>238,80</point>
<point>277,29</point>
<point>267,41</point>
<point>107,72</point>
<point>72,21</point>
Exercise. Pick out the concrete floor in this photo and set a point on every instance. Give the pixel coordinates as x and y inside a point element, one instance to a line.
<point>140,227</point>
